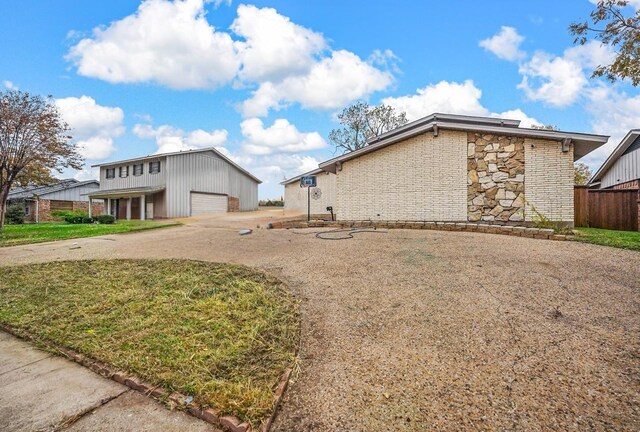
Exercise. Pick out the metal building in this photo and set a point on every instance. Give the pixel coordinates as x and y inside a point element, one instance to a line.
<point>179,184</point>
<point>621,170</point>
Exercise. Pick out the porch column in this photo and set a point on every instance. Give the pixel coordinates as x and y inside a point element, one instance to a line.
<point>90,207</point>
<point>108,206</point>
<point>129,208</point>
<point>143,208</point>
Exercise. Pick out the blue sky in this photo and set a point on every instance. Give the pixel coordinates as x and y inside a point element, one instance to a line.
<point>263,81</point>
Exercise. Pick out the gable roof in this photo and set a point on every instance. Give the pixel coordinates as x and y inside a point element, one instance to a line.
<point>583,143</point>
<point>41,191</point>
<point>632,137</point>
<point>160,155</point>
<point>297,178</point>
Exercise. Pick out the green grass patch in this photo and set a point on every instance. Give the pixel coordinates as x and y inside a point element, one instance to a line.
<point>221,333</point>
<point>619,239</point>
<point>13,235</point>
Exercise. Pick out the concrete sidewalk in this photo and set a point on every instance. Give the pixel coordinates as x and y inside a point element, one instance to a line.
<point>42,392</point>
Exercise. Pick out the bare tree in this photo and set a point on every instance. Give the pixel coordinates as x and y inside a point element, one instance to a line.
<point>33,143</point>
<point>362,122</point>
<point>620,32</point>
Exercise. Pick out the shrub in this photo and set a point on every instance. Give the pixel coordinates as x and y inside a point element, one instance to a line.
<point>87,220</point>
<point>77,217</point>
<point>14,214</point>
<point>105,219</point>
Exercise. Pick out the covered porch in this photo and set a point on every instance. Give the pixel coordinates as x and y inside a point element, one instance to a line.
<point>134,203</point>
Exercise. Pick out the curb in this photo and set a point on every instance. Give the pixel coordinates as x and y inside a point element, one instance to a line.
<point>518,231</point>
<point>172,400</point>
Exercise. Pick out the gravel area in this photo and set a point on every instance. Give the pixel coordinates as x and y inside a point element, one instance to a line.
<point>428,330</point>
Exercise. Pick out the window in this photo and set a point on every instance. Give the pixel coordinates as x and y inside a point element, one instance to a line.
<point>111,173</point>
<point>26,209</point>
<point>154,167</point>
<point>138,169</point>
<point>124,171</point>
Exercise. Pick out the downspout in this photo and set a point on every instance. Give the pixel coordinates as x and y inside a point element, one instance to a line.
<point>37,208</point>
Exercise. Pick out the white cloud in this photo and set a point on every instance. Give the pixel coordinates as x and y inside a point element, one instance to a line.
<point>556,81</point>
<point>451,98</point>
<point>87,173</point>
<point>170,43</point>
<point>170,139</point>
<point>273,46</point>
<point>614,113</point>
<point>444,97</point>
<point>9,85</point>
<point>505,44</point>
<point>281,137</point>
<point>330,84</point>
<point>275,168</point>
<point>518,114</point>
<point>560,80</point>
<point>93,126</point>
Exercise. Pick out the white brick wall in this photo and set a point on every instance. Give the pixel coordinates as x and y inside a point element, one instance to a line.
<point>422,178</point>
<point>295,197</point>
<point>548,180</point>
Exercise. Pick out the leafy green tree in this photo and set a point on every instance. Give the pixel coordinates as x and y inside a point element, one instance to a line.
<point>33,143</point>
<point>613,24</point>
<point>581,174</point>
<point>362,122</point>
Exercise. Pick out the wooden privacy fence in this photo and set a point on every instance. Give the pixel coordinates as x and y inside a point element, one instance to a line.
<point>616,209</point>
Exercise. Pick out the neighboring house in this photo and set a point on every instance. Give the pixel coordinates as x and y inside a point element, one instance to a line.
<point>621,170</point>
<point>180,184</point>
<point>453,168</point>
<point>295,197</point>
<point>68,194</point>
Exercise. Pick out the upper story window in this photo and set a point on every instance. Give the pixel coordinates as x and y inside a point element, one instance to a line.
<point>138,169</point>
<point>111,173</point>
<point>124,171</point>
<point>154,167</point>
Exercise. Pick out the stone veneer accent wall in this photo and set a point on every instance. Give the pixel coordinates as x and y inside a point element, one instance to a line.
<point>495,178</point>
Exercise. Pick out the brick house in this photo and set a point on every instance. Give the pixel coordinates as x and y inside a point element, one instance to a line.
<point>452,168</point>
<point>68,194</point>
<point>296,199</point>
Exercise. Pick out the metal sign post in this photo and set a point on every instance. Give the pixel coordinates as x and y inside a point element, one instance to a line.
<point>308,182</point>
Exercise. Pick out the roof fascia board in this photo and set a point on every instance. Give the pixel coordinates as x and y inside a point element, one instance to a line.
<point>469,127</point>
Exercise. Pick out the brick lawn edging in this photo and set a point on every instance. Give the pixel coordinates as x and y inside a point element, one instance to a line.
<point>172,400</point>
<point>519,231</point>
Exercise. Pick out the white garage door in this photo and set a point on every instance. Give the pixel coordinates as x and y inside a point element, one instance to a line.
<point>207,203</point>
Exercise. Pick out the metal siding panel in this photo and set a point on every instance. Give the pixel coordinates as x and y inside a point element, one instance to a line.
<point>132,181</point>
<point>625,169</point>
<point>72,194</point>
<point>204,172</point>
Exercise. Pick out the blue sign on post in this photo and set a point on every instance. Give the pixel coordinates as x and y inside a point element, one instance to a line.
<point>307,181</point>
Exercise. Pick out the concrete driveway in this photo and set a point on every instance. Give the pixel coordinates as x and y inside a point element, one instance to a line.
<point>428,330</point>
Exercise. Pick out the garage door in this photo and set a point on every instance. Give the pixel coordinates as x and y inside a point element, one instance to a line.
<point>207,203</point>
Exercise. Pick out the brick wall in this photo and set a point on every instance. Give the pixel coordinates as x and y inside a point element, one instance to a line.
<point>97,208</point>
<point>423,178</point>
<point>295,197</point>
<point>633,184</point>
<point>234,204</point>
<point>548,180</point>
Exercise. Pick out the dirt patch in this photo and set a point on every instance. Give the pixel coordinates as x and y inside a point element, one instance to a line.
<point>427,330</point>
